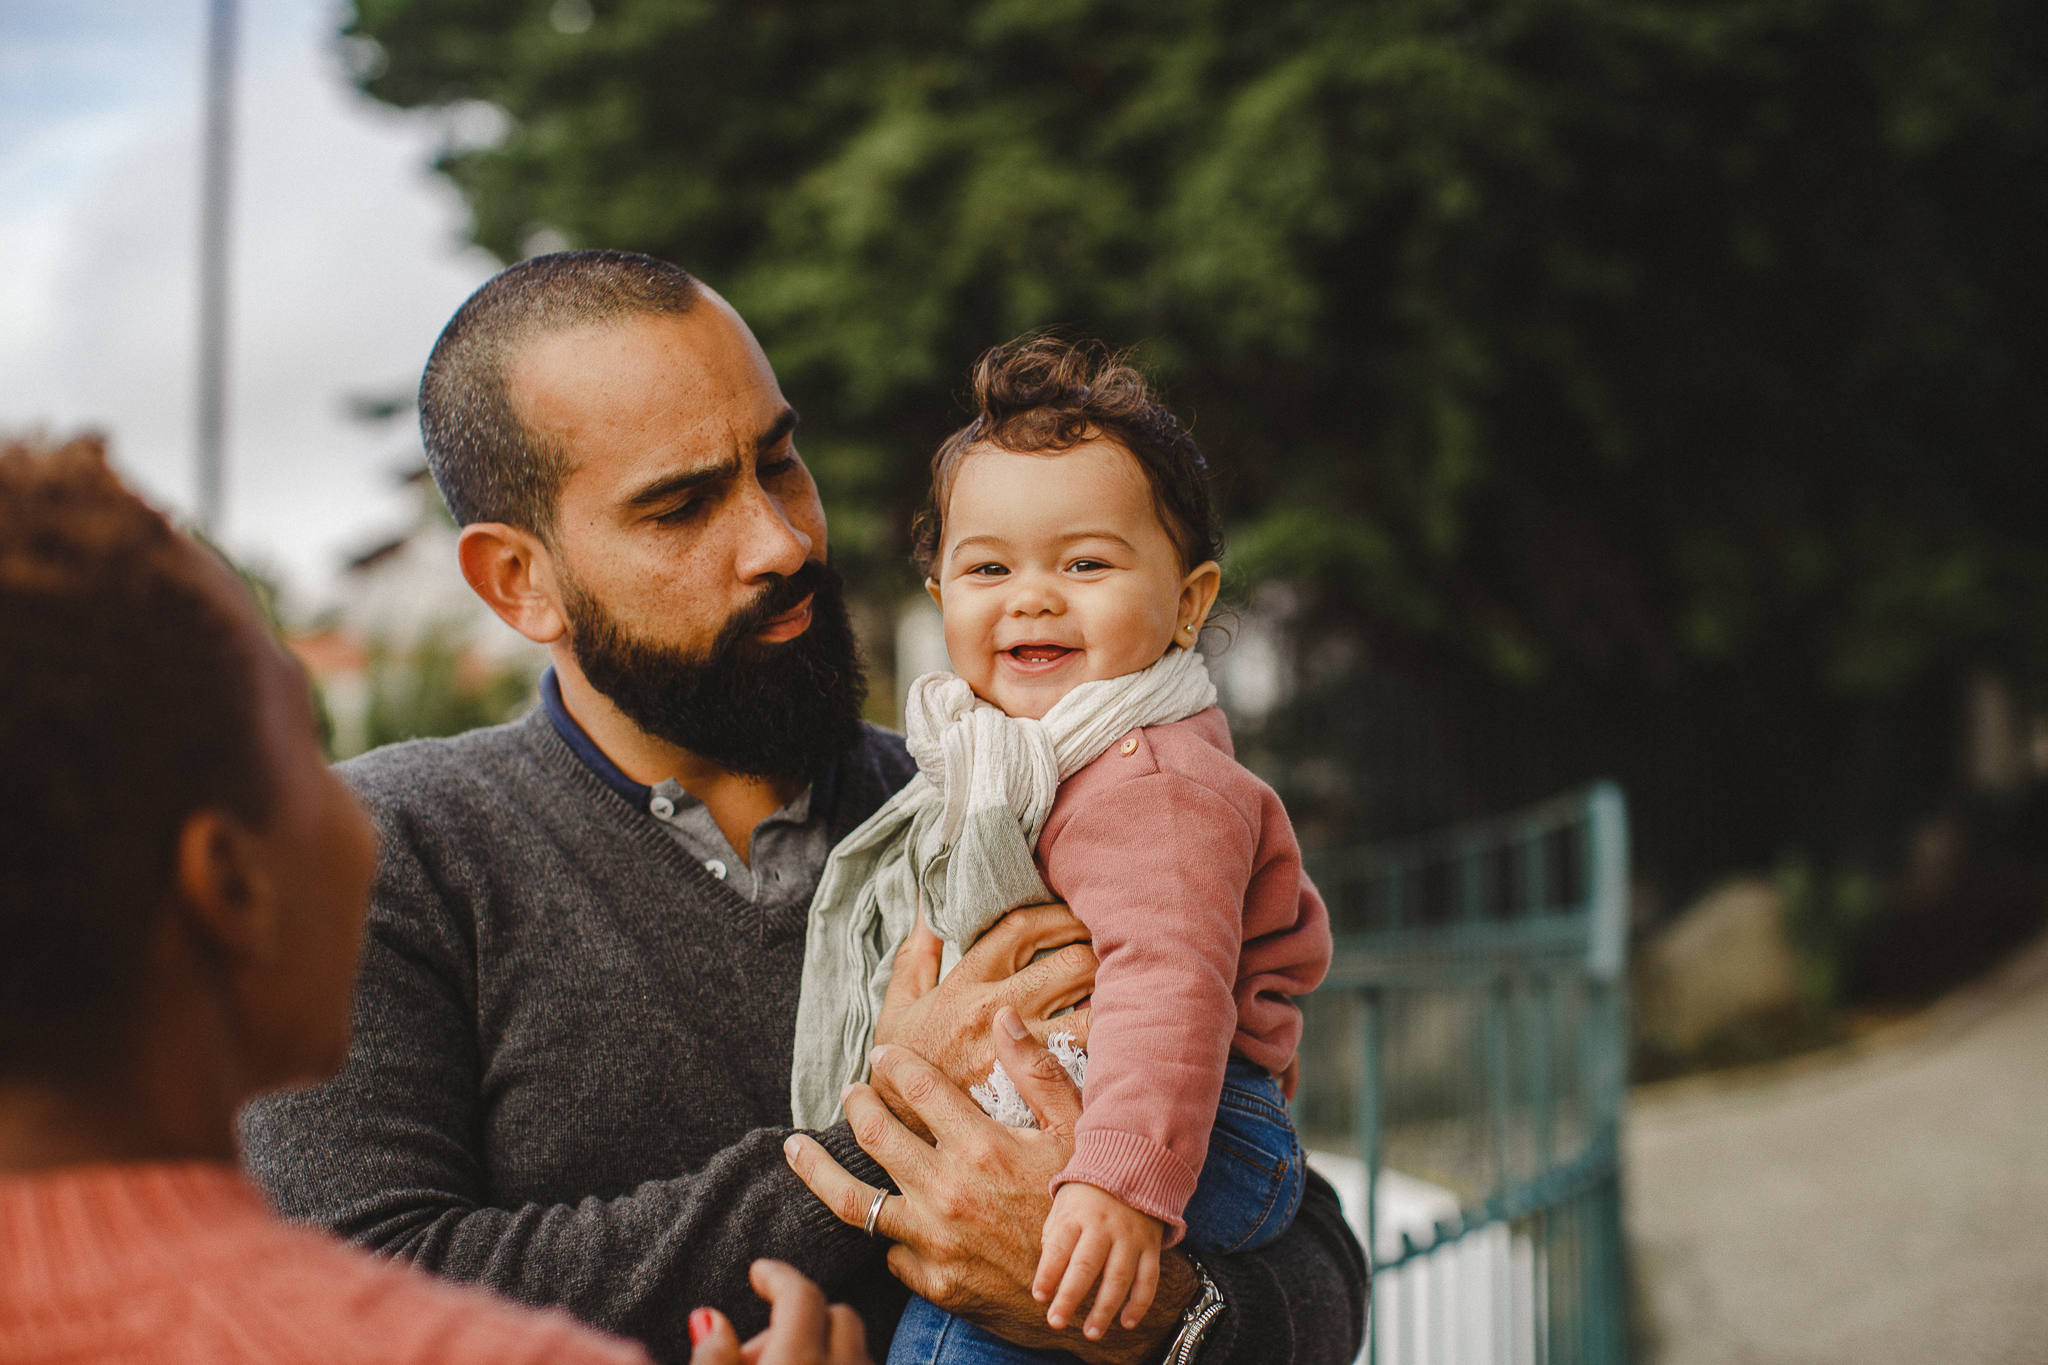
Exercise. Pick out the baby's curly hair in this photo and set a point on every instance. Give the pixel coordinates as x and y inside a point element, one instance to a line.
<point>1043,394</point>
<point>127,702</point>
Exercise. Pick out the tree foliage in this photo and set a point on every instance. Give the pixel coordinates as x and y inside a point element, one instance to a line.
<point>1648,385</point>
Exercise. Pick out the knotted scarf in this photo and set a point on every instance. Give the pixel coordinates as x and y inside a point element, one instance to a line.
<point>958,841</point>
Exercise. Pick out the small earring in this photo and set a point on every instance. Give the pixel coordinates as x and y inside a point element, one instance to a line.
<point>1189,629</point>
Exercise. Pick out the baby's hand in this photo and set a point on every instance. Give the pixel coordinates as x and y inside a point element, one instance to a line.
<point>1089,1232</point>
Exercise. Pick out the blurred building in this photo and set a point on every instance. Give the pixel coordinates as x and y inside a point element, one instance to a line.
<point>408,649</point>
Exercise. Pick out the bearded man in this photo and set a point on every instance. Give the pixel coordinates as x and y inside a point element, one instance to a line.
<point>574,1019</point>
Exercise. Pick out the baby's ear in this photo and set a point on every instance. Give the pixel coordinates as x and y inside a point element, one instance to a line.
<point>1198,590</point>
<point>931,585</point>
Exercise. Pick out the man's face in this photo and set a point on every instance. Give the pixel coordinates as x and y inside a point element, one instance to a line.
<point>686,499</point>
<point>689,542</point>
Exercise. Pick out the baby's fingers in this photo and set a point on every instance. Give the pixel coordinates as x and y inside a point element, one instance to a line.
<point>1143,1291</point>
<point>1085,1264</point>
<point>1116,1283</point>
<point>1052,1258</point>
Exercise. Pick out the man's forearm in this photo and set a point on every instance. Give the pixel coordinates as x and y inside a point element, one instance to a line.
<point>1299,1301</point>
<point>634,1265</point>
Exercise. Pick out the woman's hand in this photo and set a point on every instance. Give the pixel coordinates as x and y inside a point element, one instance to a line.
<point>801,1329</point>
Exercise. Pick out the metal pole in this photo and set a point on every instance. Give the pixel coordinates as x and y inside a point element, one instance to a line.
<point>211,430</point>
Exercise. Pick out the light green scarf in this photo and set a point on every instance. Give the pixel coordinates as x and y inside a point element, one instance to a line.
<point>958,839</point>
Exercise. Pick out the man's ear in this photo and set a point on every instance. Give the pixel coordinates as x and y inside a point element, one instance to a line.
<point>513,572</point>
<point>224,889</point>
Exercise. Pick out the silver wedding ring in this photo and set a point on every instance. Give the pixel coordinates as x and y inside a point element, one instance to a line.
<point>875,1211</point>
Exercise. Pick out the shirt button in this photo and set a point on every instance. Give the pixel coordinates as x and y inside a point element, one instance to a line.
<point>662,807</point>
<point>716,869</point>
<point>1130,746</point>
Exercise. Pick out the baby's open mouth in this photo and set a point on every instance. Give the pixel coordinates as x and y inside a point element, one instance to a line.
<point>1038,654</point>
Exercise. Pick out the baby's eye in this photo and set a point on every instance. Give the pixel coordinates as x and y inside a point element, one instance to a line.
<point>988,571</point>
<point>1087,565</point>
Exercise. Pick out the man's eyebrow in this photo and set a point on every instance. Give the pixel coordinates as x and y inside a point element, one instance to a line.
<point>665,488</point>
<point>779,428</point>
<point>662,489</point>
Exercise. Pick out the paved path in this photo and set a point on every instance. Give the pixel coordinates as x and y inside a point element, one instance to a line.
<point>1886,1206</point>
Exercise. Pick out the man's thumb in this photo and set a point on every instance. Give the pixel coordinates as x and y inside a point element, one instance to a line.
<point>1042,1083</point>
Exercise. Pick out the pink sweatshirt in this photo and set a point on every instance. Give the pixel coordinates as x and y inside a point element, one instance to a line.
<point>180,1263</point>
<point>1184,868</point>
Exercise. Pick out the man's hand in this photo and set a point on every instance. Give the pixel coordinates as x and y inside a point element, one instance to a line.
<point>949,1023</point>
<point>1092,1233</point>
<point>966,1226</point>
<point>801,1329</point>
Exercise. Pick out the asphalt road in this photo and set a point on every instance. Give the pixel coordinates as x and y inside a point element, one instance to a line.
<point>1887,1205</point>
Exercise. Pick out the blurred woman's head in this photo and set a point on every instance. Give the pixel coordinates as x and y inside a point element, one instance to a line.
<point>173,849</point>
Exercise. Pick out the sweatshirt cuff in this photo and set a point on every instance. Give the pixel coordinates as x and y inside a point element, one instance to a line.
<point>814,1214</point>
<point>839,1141</point>
<point>1146,1175</point>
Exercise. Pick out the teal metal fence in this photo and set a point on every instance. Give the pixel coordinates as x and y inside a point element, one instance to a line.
<point>1462,1082</point>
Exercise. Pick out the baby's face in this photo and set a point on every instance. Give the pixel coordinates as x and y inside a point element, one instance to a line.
<point>1056,571</point>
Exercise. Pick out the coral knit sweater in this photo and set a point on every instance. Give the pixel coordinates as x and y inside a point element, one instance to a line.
<point>1185,869</point>
<point>175,1263</point>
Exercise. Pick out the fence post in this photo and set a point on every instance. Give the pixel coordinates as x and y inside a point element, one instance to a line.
<point>1369,1119</point>
<point>1535,966</point>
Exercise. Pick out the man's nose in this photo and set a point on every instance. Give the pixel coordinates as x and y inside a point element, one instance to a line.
<point>770,543</point>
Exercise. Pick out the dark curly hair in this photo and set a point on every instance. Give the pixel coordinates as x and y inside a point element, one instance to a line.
<point>127,703</point>
<point>1042,394</point>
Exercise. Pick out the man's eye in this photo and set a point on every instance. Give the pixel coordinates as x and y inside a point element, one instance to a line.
<point>775,469</point>
<point>676,516</point>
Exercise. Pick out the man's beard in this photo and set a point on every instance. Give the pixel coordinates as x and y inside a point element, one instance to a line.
<point>779,711</point>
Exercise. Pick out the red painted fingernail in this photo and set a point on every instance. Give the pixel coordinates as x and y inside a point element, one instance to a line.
<point>701,1323</point>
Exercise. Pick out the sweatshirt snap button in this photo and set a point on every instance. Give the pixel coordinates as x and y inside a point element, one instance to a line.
<point>1130,746</point>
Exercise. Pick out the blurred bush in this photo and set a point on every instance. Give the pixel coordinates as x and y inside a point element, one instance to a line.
<point>435,686</point>
<point>1824,912</point>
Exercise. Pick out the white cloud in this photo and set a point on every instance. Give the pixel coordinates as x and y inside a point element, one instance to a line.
<point>348,258</point>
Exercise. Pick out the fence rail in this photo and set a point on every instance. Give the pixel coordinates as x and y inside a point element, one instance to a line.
<point>1462,1082</point>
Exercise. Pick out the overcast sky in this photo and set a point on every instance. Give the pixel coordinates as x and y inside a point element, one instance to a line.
<point>348,256</point>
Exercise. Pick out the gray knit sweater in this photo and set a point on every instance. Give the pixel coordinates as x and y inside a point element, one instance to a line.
<point>570,1072</point>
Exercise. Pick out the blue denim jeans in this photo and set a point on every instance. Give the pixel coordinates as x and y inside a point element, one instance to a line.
<point>1248,1193</point>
